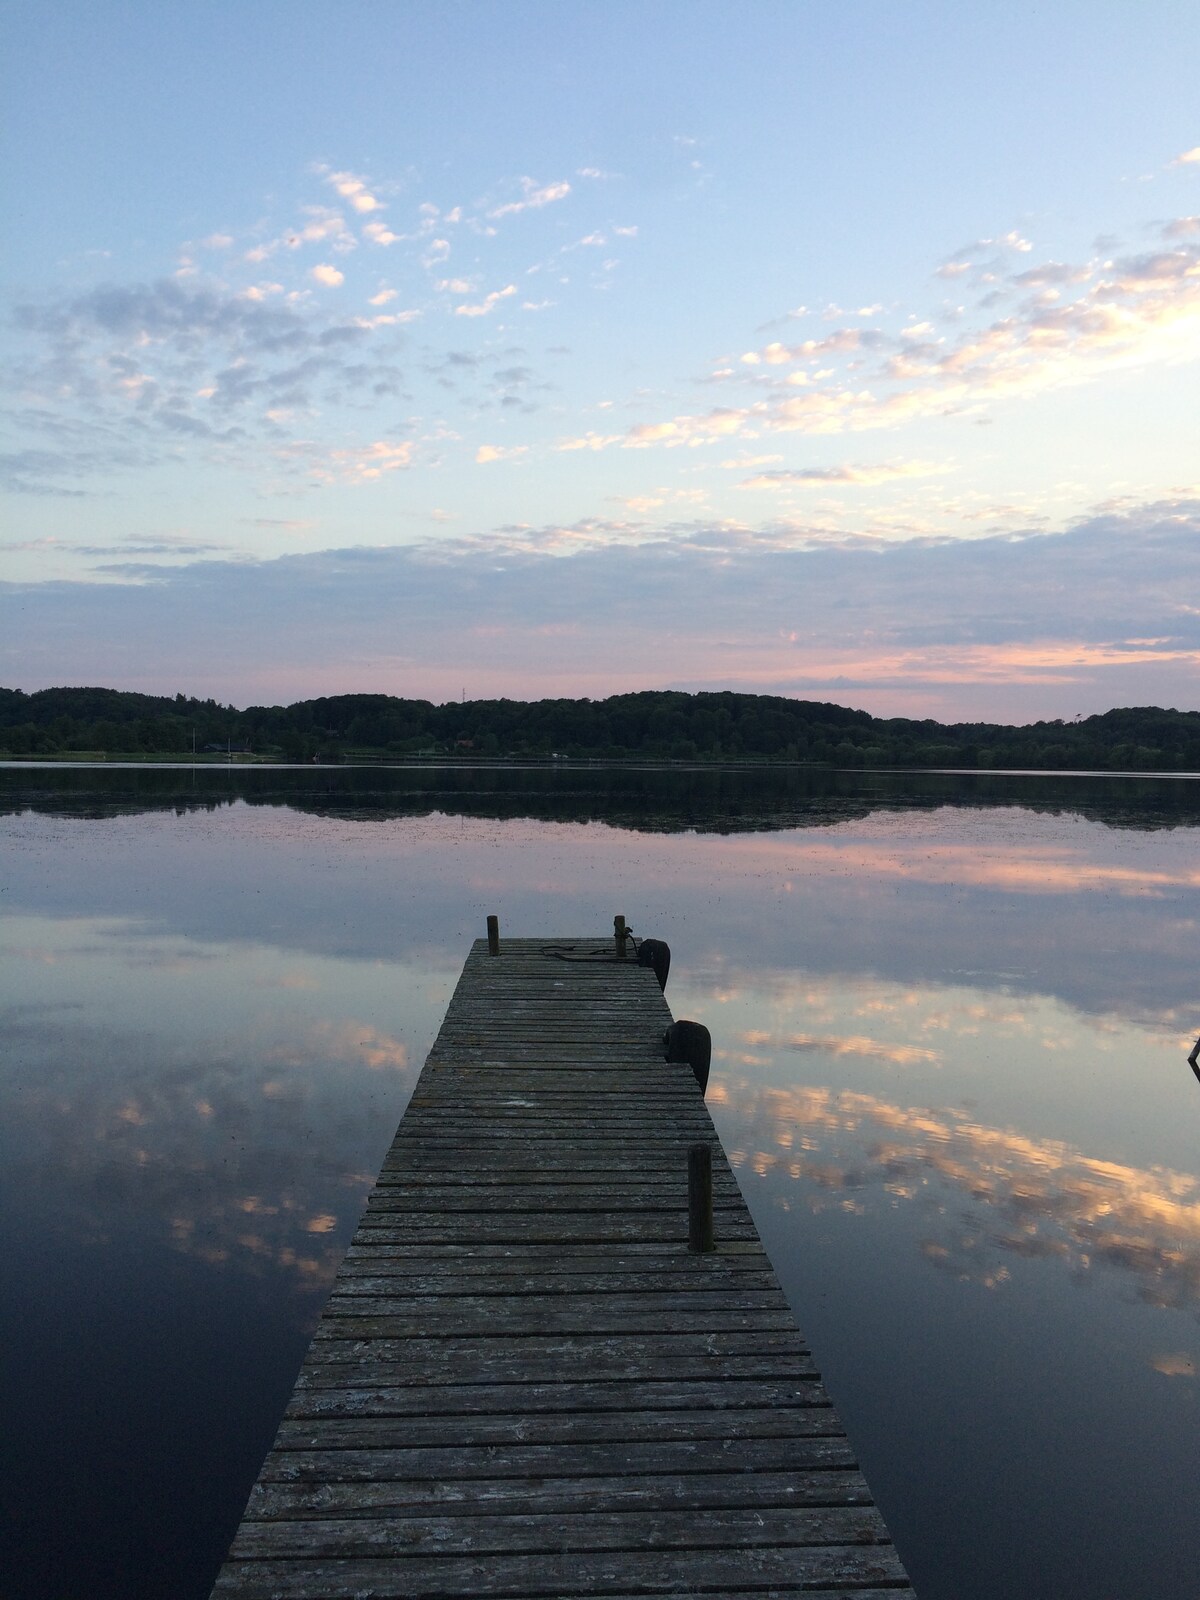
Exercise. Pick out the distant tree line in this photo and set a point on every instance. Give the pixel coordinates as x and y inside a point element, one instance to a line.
<point>655,724</point>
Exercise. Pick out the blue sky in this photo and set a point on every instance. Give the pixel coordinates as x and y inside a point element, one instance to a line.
<point>840,351</point>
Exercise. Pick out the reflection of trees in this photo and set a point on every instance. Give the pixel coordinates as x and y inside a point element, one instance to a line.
<point>646,799</point>
<point>1037,1198</point>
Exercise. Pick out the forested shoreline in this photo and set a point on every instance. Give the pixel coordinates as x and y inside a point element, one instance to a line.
<point>651,724</point>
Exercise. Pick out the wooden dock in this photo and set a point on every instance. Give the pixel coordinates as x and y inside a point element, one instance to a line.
<point>524,1384</point>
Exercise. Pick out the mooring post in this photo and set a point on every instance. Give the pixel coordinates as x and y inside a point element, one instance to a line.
<point>493,936</point>
<point>621,933</point>
<point>700,1199</point>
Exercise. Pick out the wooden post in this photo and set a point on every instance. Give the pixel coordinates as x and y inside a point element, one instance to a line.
<point>700,1199</point>
<point>493,936</point>
<point>620,934</point>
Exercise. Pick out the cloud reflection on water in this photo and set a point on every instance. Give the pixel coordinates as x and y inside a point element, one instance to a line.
<point>225,1102</point>
<point>983,1190</point>
<point>1036,895</point>
<point>887,848</point>
<point>925,1018</point>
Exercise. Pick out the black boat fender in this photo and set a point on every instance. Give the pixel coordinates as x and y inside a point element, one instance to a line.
<point>690,1042</point>
<point>656,953</point>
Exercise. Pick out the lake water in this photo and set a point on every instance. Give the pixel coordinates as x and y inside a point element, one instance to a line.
<point>951,1019</point>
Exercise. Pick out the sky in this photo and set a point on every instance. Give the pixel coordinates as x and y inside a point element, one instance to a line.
<point>849,352</point>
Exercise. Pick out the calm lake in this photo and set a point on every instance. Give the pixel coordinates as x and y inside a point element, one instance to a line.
<point>951,1019</point>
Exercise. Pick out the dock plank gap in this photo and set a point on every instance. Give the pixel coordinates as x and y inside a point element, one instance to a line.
<point>524,1382</point>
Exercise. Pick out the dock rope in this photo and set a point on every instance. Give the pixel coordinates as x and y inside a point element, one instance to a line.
<point>561,952</point>
<point>652,953</point>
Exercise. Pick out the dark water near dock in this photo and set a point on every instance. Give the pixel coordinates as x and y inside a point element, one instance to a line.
<point>951,1017</point>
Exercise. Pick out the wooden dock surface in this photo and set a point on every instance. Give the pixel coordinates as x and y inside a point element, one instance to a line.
<point>523,1383</point>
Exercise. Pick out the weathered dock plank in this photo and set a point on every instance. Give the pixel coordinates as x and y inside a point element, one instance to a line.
<point>523,1384</point>
<point>551,1496</point>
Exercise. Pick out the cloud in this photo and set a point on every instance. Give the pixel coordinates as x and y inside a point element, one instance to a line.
<point>533,198</point>
<point>148,372</point>
<point>231,374</point>
<point>176,545</point>
<point>998,247</point>
<point>323,226</point>
<point>495,452</point>
<point>36,472</point>
<point>390,319</point>
<point>1006,626</point>
<point>722,422</point>
<point>589,441</point>
<point>488,304</point>
<point>865,476</point>
<point>839,343</point>
<point>364,463</point>
<point>1051,273</point>
<point>1073,324</point>
<point>379,233</point>
<point>1189,158</point>
<point>154,313</point>
<point>354,189</point>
